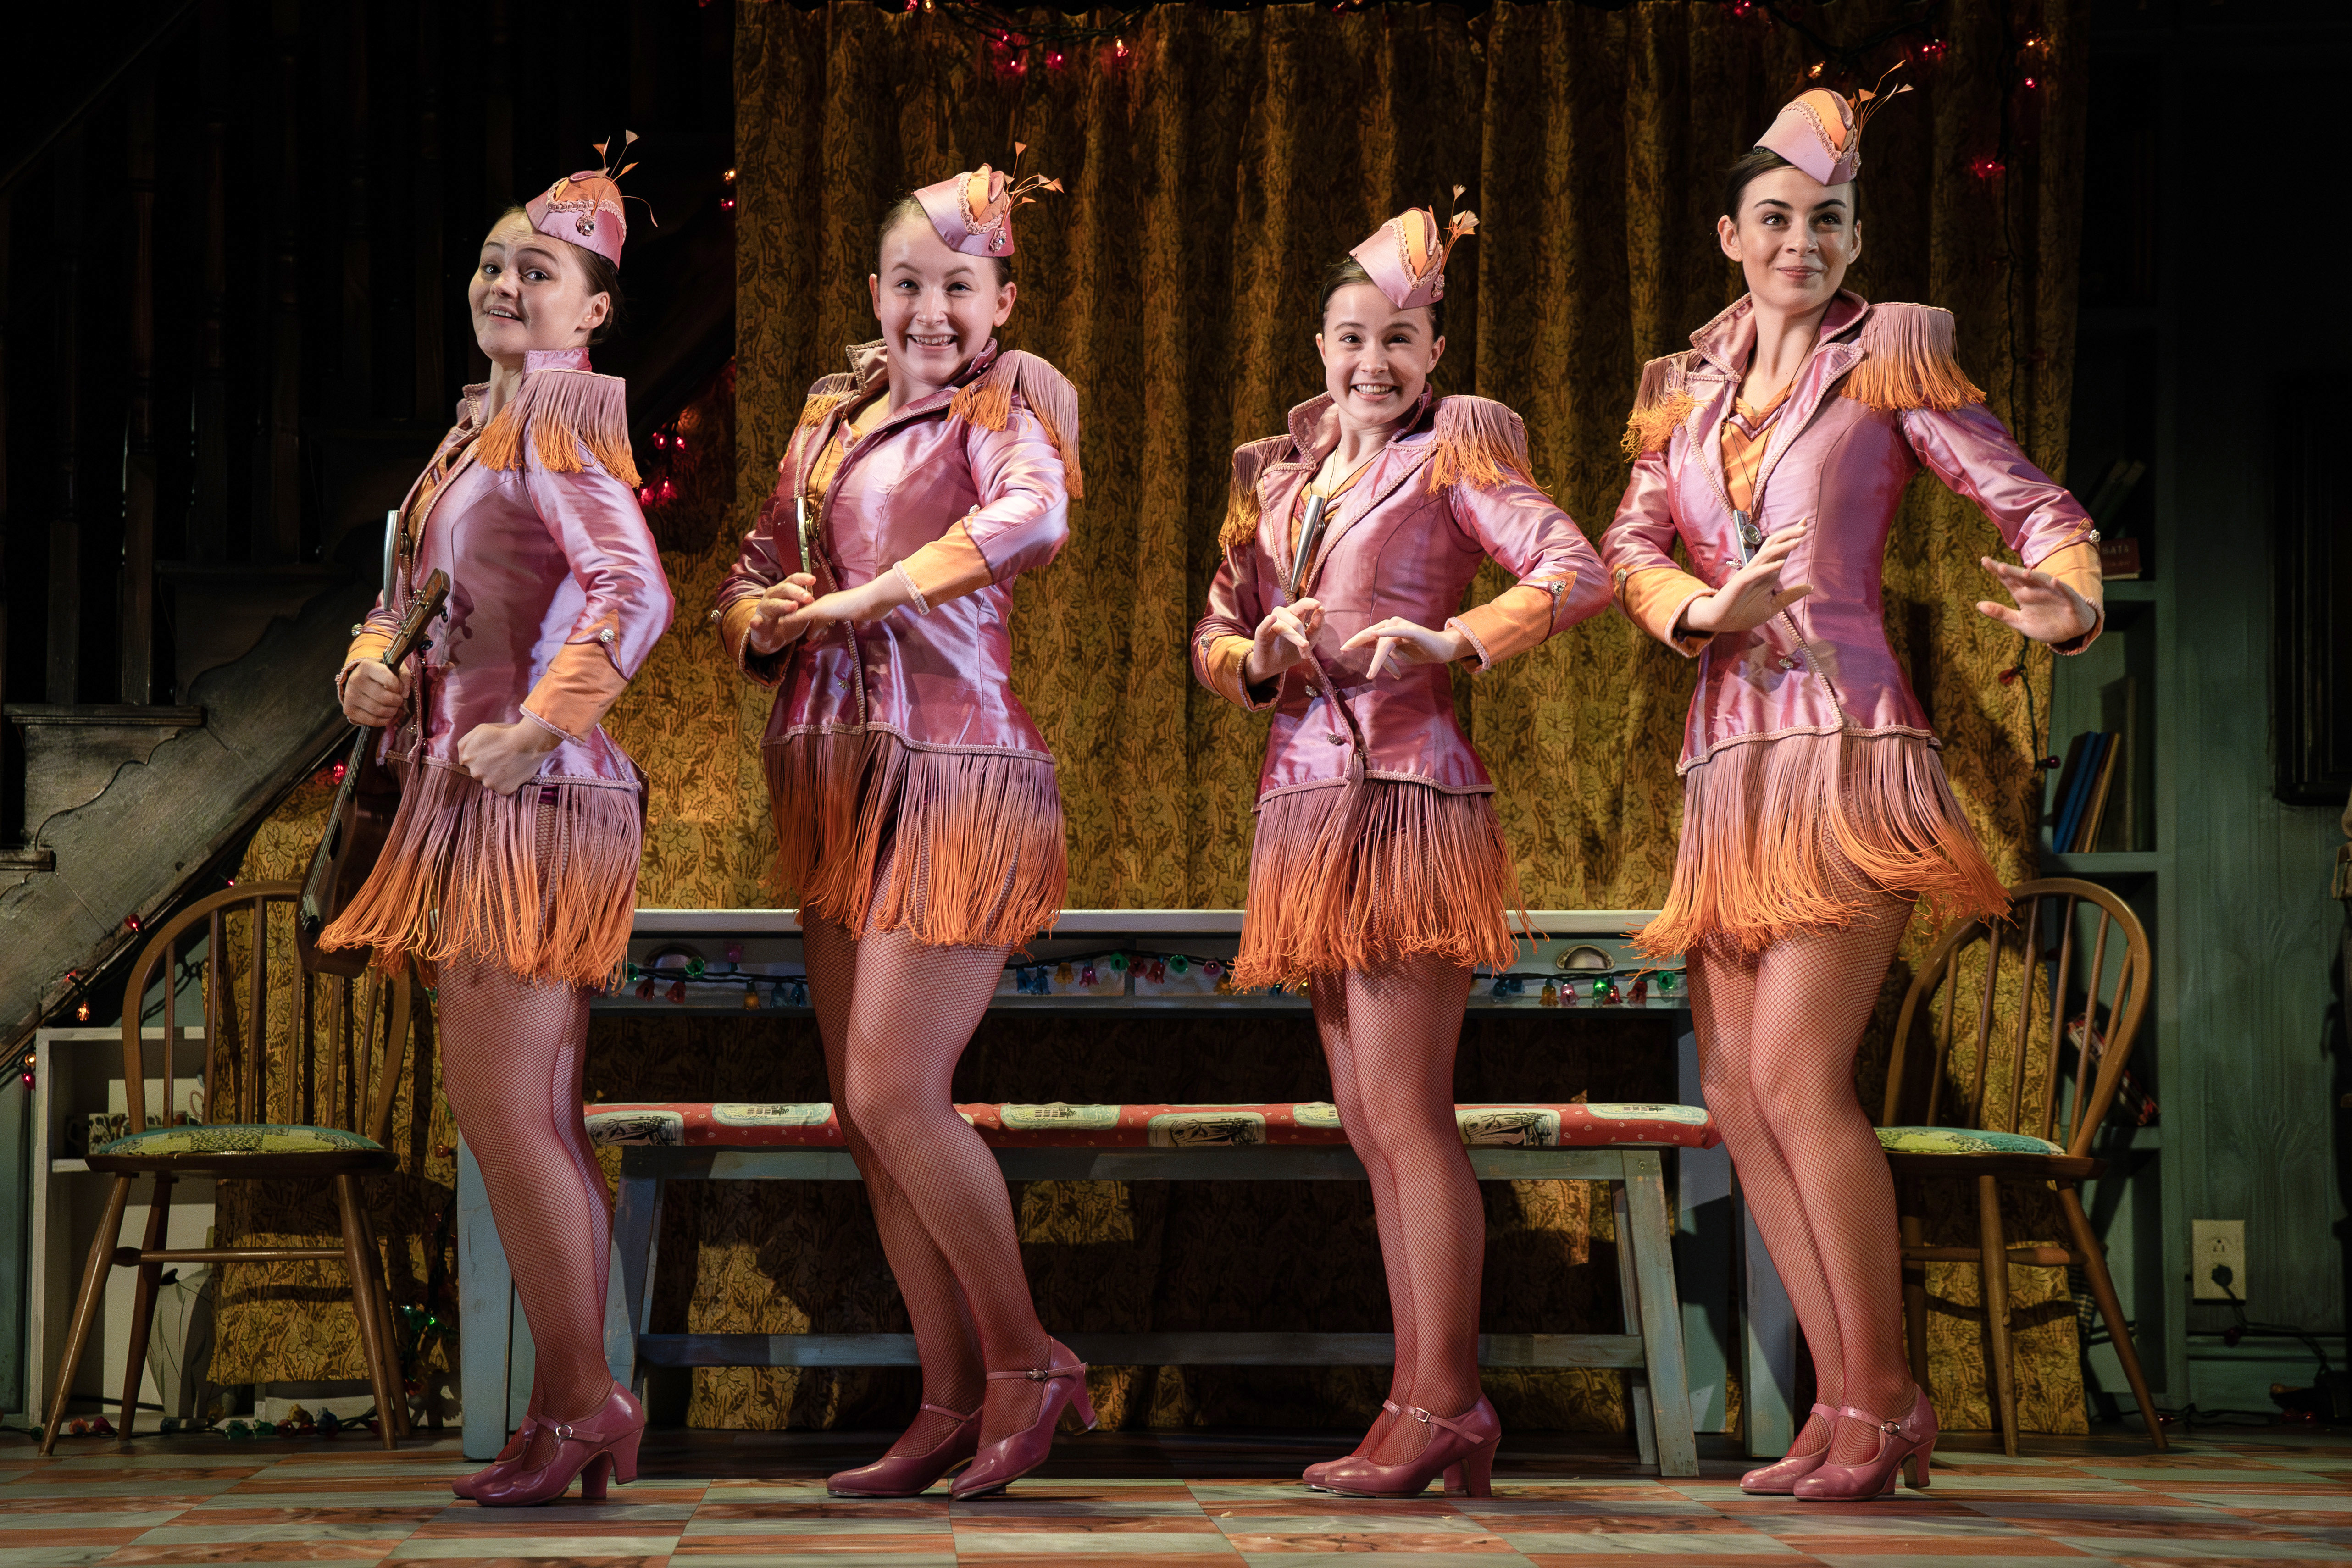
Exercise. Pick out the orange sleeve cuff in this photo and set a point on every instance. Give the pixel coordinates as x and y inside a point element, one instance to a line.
<point>367,642</point>
<point>1513,621</point>
<point>581,686</point>
<point>2077,566</point>
<point>1223,662</point>
<point>735,636</point>
<point>948,567</point>
<point>1655,599</point>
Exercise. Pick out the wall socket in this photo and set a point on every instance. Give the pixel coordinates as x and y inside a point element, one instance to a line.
<point>2211,1242</point>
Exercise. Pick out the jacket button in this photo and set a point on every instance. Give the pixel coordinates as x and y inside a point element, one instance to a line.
<point>1788,664</point>
<point>1339,740</point>
<point>605,636</point>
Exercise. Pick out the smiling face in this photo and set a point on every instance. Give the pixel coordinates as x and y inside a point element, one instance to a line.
<point>937,305</point>
<point>1793,237</point>
<point>530,293</point>
<point>1376,358</point>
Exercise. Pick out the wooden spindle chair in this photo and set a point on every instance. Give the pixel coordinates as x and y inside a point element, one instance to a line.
<point>340,1076</point>
<point>1982,1124</point>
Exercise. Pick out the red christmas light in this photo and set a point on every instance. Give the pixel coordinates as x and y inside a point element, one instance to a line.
<point>130,922</point>
<point>1988,168</point>
<point>1119,48</point>
<point>726,204</point>
<point>1934,48</point>
<point>2032,82</point>
<point>1054,60</point>
<point>337,771</point>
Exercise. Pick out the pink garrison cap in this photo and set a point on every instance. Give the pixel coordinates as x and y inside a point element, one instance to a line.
<point>1406,258</point>
<point>585,208</point>
<point>1821,132</point>
<point>973,211</point>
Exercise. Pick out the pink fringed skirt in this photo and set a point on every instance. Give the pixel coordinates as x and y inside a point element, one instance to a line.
<point>1760,820</point>
<point>543,880</point>
<point>1358,875</point>
<point>960,849</point>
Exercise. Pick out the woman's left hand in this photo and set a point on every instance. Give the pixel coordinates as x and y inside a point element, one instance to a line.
<point>504,757</point>
<point>866,601</point>
<point>2047,610</point>
<point>1404,644</point>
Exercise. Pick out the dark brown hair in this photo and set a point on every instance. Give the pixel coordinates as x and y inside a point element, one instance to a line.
<point>600,275</point>
<point>1747,166</point>
<point>906,208</point>
<point>1348,270</point>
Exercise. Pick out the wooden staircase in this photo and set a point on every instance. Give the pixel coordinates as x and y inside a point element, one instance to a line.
<point>231,330</point>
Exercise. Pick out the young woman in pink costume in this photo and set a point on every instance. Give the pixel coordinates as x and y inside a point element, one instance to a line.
<point>511,866</point>
<point>1815,807</point>
<point>1379,876</point>
<point>915,802</point>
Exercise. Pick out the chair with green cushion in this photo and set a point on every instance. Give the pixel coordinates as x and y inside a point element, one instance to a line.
<point>323,1118</point>
<point>1995,1103</point>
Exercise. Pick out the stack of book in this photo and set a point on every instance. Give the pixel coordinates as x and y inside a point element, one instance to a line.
<point>2079,807</point>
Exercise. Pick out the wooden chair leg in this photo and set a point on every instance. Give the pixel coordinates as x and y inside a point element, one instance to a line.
<point>2102,1291</point>
<point>387,1326</point>
<point>143,1306</point>
<point>93,1291</point>
<point>1993,1269</point>
<point>1915,1298</point>
<point>381,1377</point>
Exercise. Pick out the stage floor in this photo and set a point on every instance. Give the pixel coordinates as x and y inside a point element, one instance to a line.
<point>715,1501</point>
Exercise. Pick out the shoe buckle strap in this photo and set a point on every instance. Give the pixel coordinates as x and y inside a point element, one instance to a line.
<point>1893,1428</point>
<point>958,1415</point>
<point>1040,1374</point>
<point>1428,1418</point>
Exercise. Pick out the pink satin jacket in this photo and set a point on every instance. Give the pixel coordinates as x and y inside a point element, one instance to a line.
<point>1879,399</point>
<point>959,509</point>
<point>556,589</point>
<point>1404,539</point>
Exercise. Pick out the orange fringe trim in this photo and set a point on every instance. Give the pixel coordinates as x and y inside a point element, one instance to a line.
<point>1362,875</point>
<point>986,400</point>
<point>1479,440</point>
<point>1242,507</point>
<point>1764,822</point>
<point>1659,407</point>
<point>564,411</point>
<point>465,874</point>
<point>1908,362</point>
<point>968,845</point>
<point>829,393</point>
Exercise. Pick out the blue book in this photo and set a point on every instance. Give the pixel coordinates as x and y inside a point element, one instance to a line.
<point>2078,792</point>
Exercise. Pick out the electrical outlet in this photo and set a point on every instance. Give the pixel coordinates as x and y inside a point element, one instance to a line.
<point>2213,1242</point>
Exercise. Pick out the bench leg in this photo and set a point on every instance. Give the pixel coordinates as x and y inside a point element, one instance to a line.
<point>485,1314</point>
<point>1645,1254</point>
<point>1629,1293</point>
<point>636,1238</point>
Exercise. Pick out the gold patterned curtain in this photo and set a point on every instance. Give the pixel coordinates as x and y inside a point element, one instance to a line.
<point>1212,174</point>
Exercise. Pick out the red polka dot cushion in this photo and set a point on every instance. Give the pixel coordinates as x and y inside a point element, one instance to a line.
<point>1060,1125</point>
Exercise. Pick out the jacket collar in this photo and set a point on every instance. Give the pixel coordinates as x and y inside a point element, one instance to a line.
<point>1727,341</point>
<point>869,368</point>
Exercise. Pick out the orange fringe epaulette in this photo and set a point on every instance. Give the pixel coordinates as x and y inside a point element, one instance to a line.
<point>467,874</point>
<point>1908,362</point>
<point>823,399</point>
<point>1480,441</point>
<point>1660,407</point>
<point>986,400</point>
<point>956,848</point>
<point>1364,874</point>
<point>564,411</point>
<point>1250,459</point>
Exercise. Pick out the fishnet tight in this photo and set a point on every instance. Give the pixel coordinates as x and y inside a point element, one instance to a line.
<point>895,1016</point>
<point>1776,1038</point>
<point>1390,1036</point>
<point>514,1052</point>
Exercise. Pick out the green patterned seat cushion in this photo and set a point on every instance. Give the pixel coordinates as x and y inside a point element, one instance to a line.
<point>249,1138</point>
<point>1962,1141</point>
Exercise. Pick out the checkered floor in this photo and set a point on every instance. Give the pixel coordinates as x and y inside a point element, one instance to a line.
<point>712,1501</point>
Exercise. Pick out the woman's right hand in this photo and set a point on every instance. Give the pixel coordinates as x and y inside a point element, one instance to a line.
<point>372,694</point>
<point>1281,641</point>
<point>1754,594</point>
<point>772,623</point>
